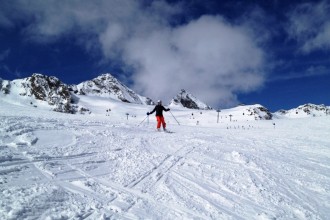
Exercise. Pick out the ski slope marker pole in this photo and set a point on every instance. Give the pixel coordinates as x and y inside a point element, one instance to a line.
<point>175,118</point>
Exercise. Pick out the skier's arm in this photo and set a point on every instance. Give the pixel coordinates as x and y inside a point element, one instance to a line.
<point>166,110</point>
<point>149,113</point>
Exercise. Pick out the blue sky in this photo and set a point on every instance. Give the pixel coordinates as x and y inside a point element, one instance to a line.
<point>272,52</point>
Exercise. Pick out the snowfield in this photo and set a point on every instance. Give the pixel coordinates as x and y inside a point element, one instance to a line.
<point>105,166</point>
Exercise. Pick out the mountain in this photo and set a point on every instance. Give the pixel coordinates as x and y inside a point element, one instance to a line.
<point>108,86</point>
<point>248,113</point>
<point>49,92</point>
<point>185,99</point>
<point>261,112</point>
<point>40,90</point>
<point>303,111</point>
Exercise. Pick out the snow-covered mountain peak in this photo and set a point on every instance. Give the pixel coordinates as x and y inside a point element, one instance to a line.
<point>106,85</point>
<point>248,112</point>
<point>40,90</point>
<point>106,78</point>
<point>187,100</point>
<point>43,87</point>
<point>262,112</point>
<point>306,110</point>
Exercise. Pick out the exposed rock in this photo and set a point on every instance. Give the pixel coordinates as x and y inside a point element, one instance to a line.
<point>106,85</point>
<point>188,101</point>
<point>307,110</point>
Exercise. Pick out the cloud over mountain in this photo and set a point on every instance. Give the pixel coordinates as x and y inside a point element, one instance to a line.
<point>208,55</point>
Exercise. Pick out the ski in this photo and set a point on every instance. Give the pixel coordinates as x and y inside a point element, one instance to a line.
<point>165,131</point>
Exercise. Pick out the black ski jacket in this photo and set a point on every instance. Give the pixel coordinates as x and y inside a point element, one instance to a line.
<point>159,110</point>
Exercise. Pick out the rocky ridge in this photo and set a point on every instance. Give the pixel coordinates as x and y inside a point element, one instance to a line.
<point>43,89</point>
<point>187,100</point>
<point>108,86</point>
<point>306,110</point>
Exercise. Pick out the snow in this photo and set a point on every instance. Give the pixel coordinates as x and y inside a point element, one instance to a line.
<point>304,111</point>
<point>20,95</point>
<point>106,165</point>
<point>108,86</point>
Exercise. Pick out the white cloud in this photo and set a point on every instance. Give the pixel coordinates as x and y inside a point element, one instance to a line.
<point>309,25</point>
<point>209,57</point>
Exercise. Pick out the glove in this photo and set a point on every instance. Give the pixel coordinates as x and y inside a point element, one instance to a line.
<point>148,113</point>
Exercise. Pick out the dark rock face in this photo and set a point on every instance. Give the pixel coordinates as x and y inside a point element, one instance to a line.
<point>189,101</point>
<point>44,88</point>
<point>265,113</point>
<point>308,108</point>
<point>259,112</point>
<point>4,87</point>
<point>53,91</point>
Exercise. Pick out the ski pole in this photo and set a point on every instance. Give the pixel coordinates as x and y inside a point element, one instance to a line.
<point>144,120</point>
<point>175,118</point>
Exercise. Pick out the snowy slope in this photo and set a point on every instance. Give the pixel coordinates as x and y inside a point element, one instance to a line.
<point>109,166</point>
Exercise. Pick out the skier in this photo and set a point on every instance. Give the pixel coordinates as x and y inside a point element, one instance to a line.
<point>159,108</point>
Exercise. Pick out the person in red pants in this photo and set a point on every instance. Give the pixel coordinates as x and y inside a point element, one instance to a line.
<point>159,108</point>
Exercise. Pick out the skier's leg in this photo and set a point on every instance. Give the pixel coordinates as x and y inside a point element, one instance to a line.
<point>159,121</point>
<point>163,122</point>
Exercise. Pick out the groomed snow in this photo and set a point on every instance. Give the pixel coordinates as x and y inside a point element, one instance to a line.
<point>105,166</point>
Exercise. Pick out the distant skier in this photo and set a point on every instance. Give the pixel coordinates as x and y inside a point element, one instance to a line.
<point>159,108</point>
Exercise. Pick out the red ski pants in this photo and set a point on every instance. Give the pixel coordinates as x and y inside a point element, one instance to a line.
<point>160,120</point>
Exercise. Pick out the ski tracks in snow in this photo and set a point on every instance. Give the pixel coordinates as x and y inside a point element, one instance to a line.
<point>95,170</point>
<point>68,166</point>
<point>151,177</point>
